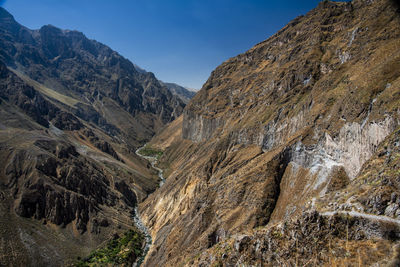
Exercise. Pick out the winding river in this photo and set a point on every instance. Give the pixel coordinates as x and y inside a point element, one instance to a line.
<point>138,221</point>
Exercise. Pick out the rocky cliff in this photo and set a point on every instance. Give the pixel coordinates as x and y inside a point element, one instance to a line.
<point>59,192</point>
<point>72,114</point>
<point>183,93</point>
<point>279,150</point>
<point>103,82</point>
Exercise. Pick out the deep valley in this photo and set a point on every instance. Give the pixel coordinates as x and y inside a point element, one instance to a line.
<point>289,155</point>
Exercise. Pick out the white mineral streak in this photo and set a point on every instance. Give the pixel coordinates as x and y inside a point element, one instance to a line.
<point>355,144</point>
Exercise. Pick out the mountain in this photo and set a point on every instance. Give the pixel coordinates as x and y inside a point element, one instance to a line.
<point>183,93</point>
<point>139,69</point>
<point>288,155</point>
<point>99,78</point>
<point>72,114</point>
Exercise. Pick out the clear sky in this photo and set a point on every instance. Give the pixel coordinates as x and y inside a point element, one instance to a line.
<point>181,41</point>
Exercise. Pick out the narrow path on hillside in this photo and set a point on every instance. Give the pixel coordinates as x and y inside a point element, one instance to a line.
<point>380,218</point>
<point>138,221</point>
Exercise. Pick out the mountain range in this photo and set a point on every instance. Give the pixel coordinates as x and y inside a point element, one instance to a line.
<point>289,155</point>
<point>73,113</point>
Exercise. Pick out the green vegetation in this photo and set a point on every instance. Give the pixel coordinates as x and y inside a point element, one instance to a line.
<point>150,152</point>
<point>121,251</point>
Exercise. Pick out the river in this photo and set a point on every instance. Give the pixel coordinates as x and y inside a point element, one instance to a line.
<point>138,221</point>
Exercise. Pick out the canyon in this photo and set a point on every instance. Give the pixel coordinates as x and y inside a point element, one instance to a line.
<point>289,155</point>
<point>72,114</point>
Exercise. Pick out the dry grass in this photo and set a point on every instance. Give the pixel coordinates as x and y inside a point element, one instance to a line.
<point>67,100</point>
<point>251,90</point>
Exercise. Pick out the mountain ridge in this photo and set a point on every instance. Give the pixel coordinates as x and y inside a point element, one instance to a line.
<point>101,72</point>
<point>73,112</point>
<point>184,93</point>
<point>288,155</point>
<point>273,136</point>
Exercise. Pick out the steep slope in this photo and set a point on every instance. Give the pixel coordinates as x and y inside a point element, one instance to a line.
<point>64,190</point>
<point>275,134</point>
<point>72,114</point>
<point>183,93</point>
<point>101,80</point>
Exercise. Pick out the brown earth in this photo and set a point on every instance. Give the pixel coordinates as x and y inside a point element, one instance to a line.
<point>66,187</point>
<point>274,132</point>
<point>72,114</point>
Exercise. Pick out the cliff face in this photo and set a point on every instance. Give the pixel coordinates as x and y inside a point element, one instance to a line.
<point>72,114</point>
<point>63,187</point>
<point>101,79</point>
<point>284,128</point>
<point>183,93</point>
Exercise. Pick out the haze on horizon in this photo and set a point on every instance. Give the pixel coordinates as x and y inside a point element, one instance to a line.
<point>181,41</point>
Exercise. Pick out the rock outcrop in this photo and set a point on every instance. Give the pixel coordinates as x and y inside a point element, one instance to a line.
<point>72,114</point>
<point>183,93</point>
<point>287,127</point>
<point>18,93</point>
<point>311,239</point>
<point>70,64</point>
<point>64,188</point>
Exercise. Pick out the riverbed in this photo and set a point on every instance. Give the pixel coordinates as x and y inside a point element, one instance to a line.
<point>138,221</point>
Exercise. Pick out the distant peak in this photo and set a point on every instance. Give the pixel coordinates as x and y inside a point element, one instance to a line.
<point>49,26</point>
<point>74,33</point>
<point>50,29</point>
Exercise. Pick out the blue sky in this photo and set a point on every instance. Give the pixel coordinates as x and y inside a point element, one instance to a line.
<point>180,41</point>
